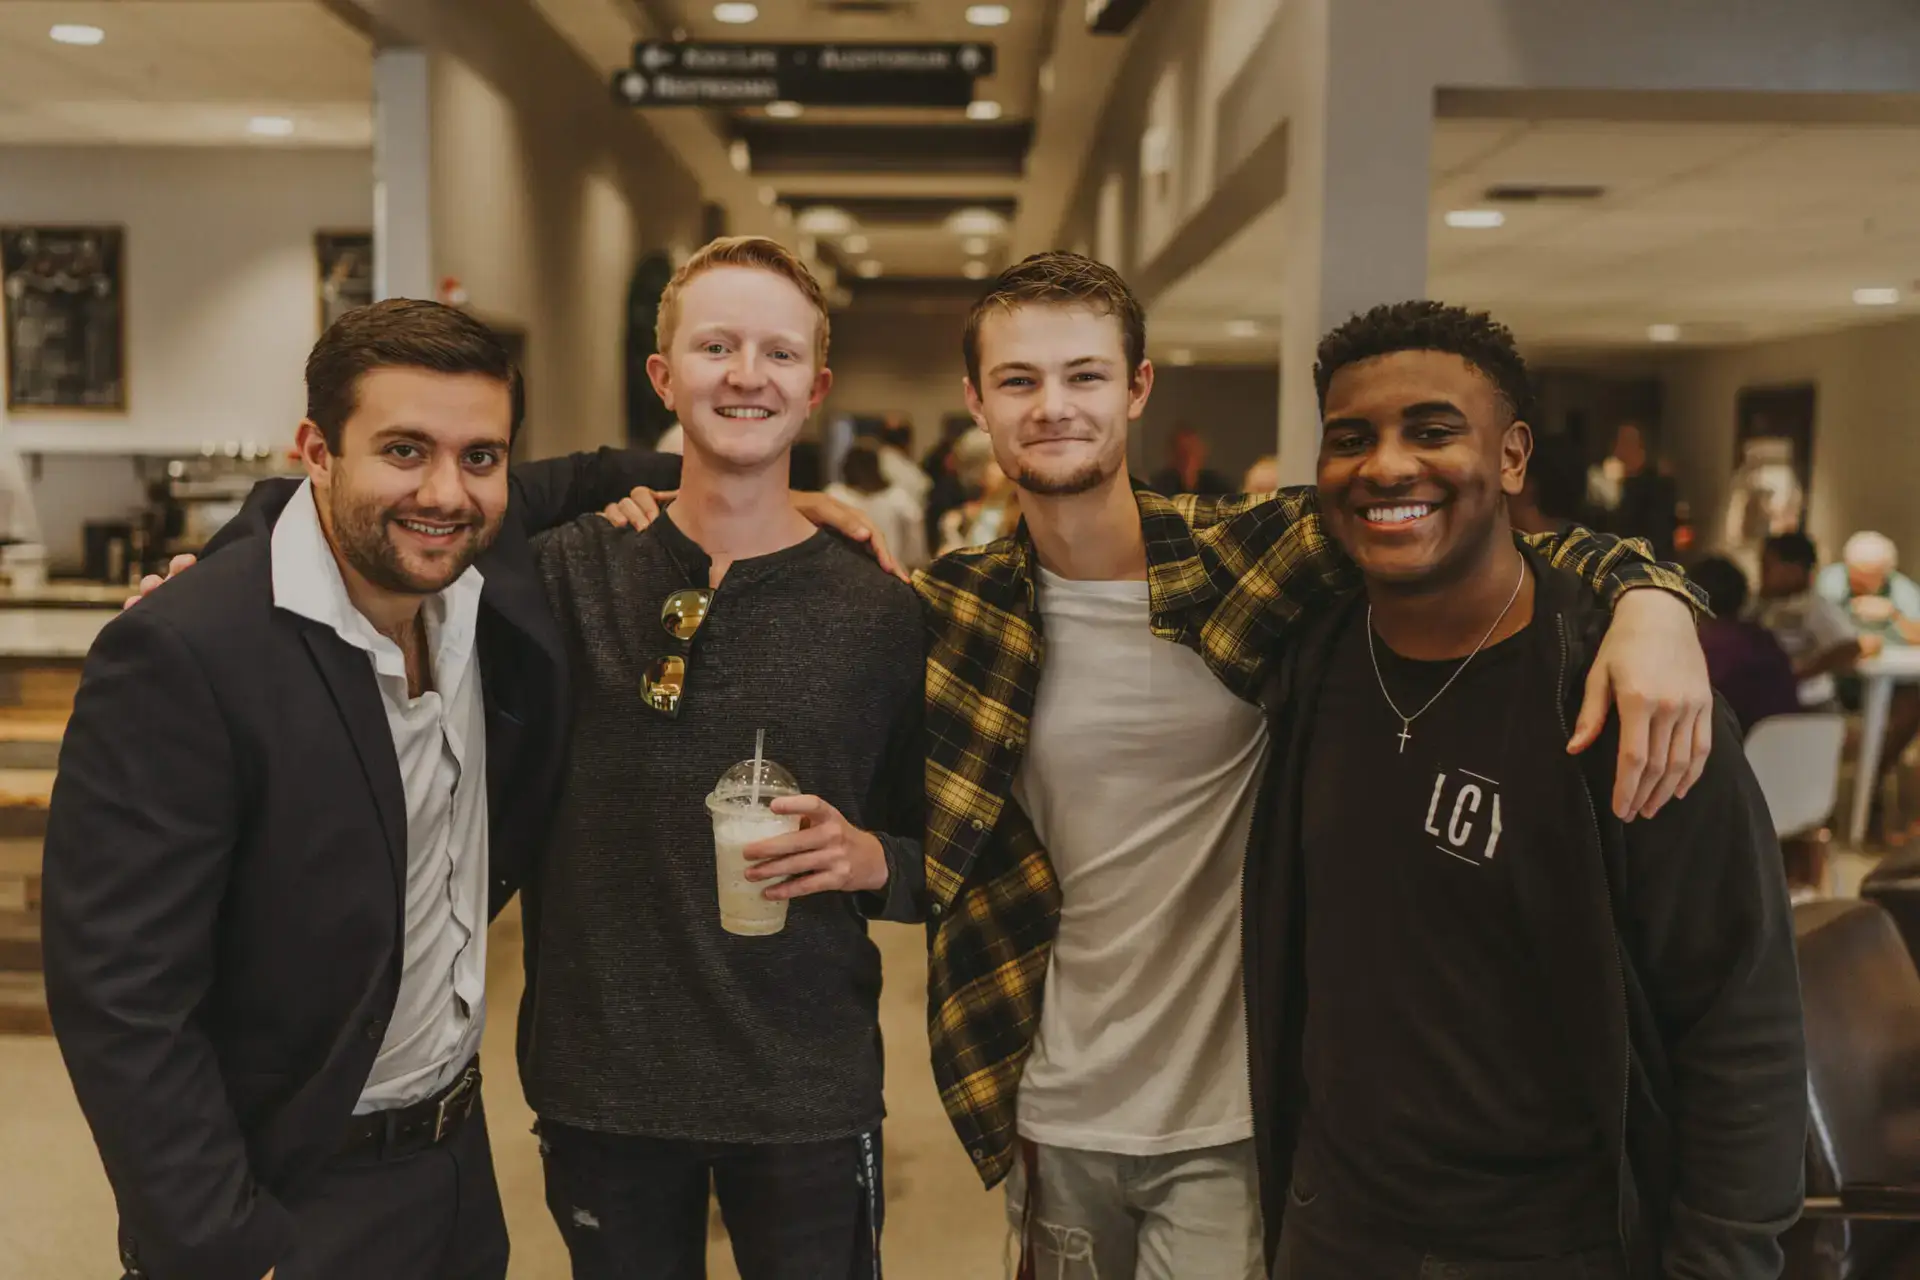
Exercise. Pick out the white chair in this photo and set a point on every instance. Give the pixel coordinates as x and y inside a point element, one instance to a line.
<point>1797,760</point>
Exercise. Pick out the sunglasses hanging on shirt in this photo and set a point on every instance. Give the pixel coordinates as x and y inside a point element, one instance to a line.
<point>665,682</point>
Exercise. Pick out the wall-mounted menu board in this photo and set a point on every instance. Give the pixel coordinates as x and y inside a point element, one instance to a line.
<point>66,322</point>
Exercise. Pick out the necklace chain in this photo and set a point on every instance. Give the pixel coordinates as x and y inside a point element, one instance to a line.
<point>1373,651</point>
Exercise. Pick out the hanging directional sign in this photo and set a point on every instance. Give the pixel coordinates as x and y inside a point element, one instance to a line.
<point>820,75</point>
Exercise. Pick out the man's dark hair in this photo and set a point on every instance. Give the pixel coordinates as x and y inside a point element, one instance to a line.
<point>1474,336</point>
<point>1060,279</point>
<point>400,333</point>
<point>1725,585</point>
<point>1794,549</point>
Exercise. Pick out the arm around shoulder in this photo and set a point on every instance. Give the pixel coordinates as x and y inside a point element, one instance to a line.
<point>140,839</point>
<point>553,491</point>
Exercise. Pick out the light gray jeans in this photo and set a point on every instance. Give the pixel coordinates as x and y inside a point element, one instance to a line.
<point>1192,1215</point>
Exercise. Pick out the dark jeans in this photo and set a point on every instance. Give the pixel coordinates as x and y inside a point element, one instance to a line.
<point>1316,1245</point>
<point>636,1208</point>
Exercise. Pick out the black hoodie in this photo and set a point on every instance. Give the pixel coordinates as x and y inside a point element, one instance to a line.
<point>1670,955</point>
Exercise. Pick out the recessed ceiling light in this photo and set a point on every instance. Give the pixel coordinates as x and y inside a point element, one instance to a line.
<point>270,127</point>
<point>784,110</point>
<point>1476,219</point>
<point>1663,333</point>
<point>976,222</point>
<point>735,15</point>
<point>825,220</point>
<point>975,270</point>
<point>868,270</point>
<point>1877,297</point>
<point>77,33</point>
<point>983,109</point>
<point>854,244</point>
<point>1243,329</point>
<point>977,245</point>
<point>989,15</point>
<point>740,155</point>
<point>1181,357</point>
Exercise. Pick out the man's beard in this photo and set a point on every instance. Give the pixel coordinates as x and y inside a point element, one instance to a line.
<point>360,531</point>
<point>1084,480</point>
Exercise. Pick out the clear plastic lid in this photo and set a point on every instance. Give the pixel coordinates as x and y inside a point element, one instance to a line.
<point>737,782</point>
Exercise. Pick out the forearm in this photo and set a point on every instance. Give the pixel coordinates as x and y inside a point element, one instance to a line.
<point>904,899</point>
<point>554,491</point>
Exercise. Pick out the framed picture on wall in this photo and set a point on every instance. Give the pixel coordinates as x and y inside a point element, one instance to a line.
<point>65,316</point>
<point>345,263</point>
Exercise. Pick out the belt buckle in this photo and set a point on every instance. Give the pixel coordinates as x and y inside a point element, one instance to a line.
<point>460,1094</point>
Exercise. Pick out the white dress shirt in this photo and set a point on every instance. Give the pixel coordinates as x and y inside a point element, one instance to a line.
<point>439,739</point>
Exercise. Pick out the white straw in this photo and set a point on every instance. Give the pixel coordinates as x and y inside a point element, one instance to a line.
<point>759,754</point>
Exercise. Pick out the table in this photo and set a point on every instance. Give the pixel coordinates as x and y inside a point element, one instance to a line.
<point>1895,665</point>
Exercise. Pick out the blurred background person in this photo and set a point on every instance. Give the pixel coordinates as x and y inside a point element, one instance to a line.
<point>1884,603</point>
<point>1263,476</point>
<point>1744,659</point>
<point>1187,470</point>
<point>895,444</point>
<point>989,512</point>
<point>1639,501</point>
<point>1554,497</point>
<point>805,469</point>
<point>1815,632</point>
<point>891,509</point>
<point>943,471</point>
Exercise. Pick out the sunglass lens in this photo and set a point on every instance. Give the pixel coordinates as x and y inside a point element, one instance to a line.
<point>684,611</point>
<point>663,684</point>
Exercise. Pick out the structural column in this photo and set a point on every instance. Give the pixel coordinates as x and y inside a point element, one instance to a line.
<point>1359,141</point>
<point>402,175</point>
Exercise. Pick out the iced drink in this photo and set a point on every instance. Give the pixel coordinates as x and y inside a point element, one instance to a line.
<point>738,821</point>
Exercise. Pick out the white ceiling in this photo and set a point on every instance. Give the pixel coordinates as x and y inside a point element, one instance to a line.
<point>1734,233</point>
<point>183,72</point>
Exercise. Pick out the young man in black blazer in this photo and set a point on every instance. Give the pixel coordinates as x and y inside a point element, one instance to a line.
<point>296,786</point>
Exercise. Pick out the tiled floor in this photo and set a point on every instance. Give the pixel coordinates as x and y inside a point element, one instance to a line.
<point>56,1215</point>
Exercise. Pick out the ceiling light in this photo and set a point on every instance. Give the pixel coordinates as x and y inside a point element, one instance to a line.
<point>740,155</point>
<point>768,196</point>
<point>977,245</point>
<point>854,244</point>
<point>868,270</point>
<point>976,222</point>
<point>1663,333</point>
<point>1476,219</point>
<point>735,15</point>
<point>825,220</point>
<point>983,109</point>
<point>989,15</point>
<point>784,110</point>
<point>77,33</point>
<point>975,270</point>
<point>1181,357</point>
<point>1877,297</point>
<point>1243,329</point>
<point>270,127</point>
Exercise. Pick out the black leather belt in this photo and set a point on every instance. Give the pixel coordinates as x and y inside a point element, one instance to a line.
<point>406,1130</point>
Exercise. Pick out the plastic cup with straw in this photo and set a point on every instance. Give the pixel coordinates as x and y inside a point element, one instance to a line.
<point>740,807</point>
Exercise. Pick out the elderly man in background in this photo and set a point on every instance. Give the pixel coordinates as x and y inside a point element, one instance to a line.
<point>1884,606</point>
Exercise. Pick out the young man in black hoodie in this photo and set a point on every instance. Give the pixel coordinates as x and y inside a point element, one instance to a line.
<point>1497,1032</point>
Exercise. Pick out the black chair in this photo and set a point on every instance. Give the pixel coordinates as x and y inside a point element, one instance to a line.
<point>1861,994</point>
<point>1895,886</point>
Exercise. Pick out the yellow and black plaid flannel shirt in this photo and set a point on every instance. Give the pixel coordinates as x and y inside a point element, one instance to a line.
<point>1226,578</point>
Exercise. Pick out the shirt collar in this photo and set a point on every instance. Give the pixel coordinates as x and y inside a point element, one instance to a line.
<point>307,581</point>
<point>1177,577</point>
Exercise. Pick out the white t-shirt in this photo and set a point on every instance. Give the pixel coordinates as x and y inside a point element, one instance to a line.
<point>1140,779</point>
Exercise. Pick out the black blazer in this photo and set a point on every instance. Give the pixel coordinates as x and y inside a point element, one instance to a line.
<point>225,867</point>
